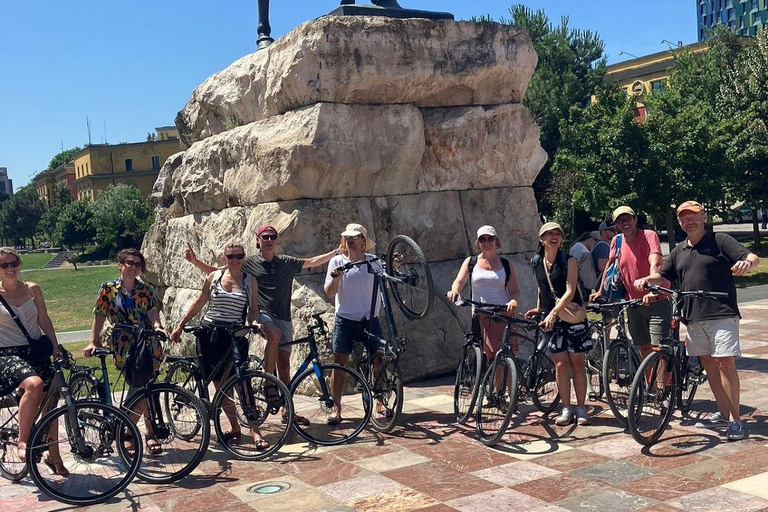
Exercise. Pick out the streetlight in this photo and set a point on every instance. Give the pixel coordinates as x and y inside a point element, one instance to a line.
<point>627,53</point>
<point>671,44</point>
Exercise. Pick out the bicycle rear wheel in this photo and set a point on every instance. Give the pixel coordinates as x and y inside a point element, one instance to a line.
<point>619,366</point>
<point>467,384</point>
<point>176,427</point>
<point>181,374</point>
<point>101,467</point>
<point>541,383</point>
<point>497,400</point>
<point>387,391</point>
<point>405,260</point>
<point>313,399</point>
<point>84,386</point>
<point>11,467</point>
<point>652,398</point>
<point>258,398</point>
<point>594,363</point>
<point>690,379</point>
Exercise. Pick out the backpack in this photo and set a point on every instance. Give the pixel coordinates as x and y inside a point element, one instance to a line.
<point>562,261</point>
<point>139,365</point>
<point>594,258</point>
<point>473,262</point>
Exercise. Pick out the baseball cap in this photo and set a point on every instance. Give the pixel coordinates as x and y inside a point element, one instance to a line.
<point>486,230</point>
<point>606,225</point>
<point>691,206</point>
<point>550,226</point>
<point>264,228</point>
<point>622,210</point>
<point>596,235</point>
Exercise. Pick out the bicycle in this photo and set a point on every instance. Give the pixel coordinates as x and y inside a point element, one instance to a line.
<point>406,273</point>
<point>252,396</point>
<point>667,378</point>
<point>311,387</point>
<point>176,425</point>
<point>94,440</point>
<point>599,333</point>
<point>510,378</point>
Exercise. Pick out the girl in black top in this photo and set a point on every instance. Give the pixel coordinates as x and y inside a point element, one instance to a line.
<point>567,342</point>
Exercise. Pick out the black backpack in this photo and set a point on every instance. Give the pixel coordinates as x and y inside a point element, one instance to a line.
<point>561,261</point>
<point>139,365</point>
<point>473,262</point>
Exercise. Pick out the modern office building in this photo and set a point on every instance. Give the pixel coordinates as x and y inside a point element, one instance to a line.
<point>747,17</point>
<point>6,184</point>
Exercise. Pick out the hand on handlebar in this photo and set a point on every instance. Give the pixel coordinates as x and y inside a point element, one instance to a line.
<point>650,298</point>
<point>641,284</point>
<point>549,321</point>
<point>453,296</point>
<point>176,334</point>
<point>88,350</point>
<point>595,296</point>
<point>512,307</point>
<point>531,313</point>
<point>338,271</point>
<point>741,267</point>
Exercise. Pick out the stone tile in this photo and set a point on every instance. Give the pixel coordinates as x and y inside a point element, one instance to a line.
<point>431,401</point>
<point>571,460</point>
<point>440,481</point>
<point>754,457</point>
<point>441,507</point>
<point>532,449</point>
<point>606,500</point>
<point>714,471</point>
<point>499,500</point>
<point>478,458</point>
<point>719,499</point>
<point>615,472</point>
<point>666,458</point>
<point>661,507</point>
<point>663,487</point>
<point>357,451</point>
<point>558,487</point>
<point>615,448</point>
<point>216,498</point>
<point>392,460</point>
<point>336,473</point>
<point>393,501</point>
<point>756,485</point>
<point>514,473</point>
<point>362,487</point>
<point>305,500</point>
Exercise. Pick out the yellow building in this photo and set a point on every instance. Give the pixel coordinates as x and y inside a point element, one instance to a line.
<point>46,180</point>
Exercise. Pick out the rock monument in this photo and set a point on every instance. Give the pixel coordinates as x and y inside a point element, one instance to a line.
<point>407,126</point>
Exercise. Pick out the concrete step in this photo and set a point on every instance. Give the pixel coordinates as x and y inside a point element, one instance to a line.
<point>57,260</point>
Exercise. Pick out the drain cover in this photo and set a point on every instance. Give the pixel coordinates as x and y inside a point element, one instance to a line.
<point>269,488</point>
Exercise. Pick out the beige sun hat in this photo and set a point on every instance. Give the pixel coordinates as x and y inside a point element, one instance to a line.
<point>354,229</point>
<point>550,226</point>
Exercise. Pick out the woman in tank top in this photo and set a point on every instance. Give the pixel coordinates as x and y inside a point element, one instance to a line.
<point>232,297</point>
<point>17,369</point>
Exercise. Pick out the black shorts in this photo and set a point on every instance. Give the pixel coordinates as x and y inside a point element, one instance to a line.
<point>214,346</point>
<point>572,338</point>
<point>15,367</point>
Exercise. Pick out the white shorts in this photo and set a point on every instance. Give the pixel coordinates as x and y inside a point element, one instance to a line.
<point>716,337</point>
<point>285,327</point>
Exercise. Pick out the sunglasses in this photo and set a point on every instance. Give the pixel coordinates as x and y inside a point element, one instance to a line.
<point>484,239</point>
<point>132,263</point>
<point>235,256</point>
<point>356,237</point>
<point>268,237</point>
<point>12,264</point>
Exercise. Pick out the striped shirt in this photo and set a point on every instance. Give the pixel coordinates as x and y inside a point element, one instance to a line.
<point>224,306</point>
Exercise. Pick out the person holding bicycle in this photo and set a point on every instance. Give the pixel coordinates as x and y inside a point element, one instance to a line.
<point>352,291</point>
<point>708,261</point>
<point>232,297</point>
<point>491,280</point>
<point>557,276</point>
<point>18,370</point>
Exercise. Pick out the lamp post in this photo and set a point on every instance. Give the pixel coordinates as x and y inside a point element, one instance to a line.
<point>263,29</point>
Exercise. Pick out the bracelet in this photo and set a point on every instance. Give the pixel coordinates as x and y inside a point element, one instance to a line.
<point>335,252</point>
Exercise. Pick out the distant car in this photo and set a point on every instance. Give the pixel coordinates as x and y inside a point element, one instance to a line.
<point>740,214</point>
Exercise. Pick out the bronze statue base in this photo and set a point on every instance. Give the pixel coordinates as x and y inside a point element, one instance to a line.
<point>372,10</point>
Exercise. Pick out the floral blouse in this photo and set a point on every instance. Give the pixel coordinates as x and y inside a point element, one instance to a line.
<point>127,309</point>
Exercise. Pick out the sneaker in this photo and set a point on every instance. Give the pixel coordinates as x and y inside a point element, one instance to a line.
<point>565,418</point>
<point>716,420</point>
<point>736,431</point>
<point>582,418</point>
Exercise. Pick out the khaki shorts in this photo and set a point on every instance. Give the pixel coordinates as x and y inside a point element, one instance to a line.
<point>716,337</point>
<point>286,327</point>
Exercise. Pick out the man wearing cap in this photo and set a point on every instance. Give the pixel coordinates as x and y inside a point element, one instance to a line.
<point>708,261</point>
<point>607,230</point>
<point>639,256</point>
<point>274,273</point>
<point>582,251</point>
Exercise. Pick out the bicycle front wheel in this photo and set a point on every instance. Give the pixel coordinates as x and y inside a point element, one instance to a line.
<point>11,467</point>
<point>467,384</point>
<point>94,442</point>
<point>498,400</point>
<point>619,367</point>
<point>542,385</point>
<point>313,400</point>
<point>691,377</point>
<point>594,364</point>
<point>652,398</point>
<point>406,261</point>
<point>387,391</point>
<point>176,427</point>
<point>258,398</point>
<point>84,386</point>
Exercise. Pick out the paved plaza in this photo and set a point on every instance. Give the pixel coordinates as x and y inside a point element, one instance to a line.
<point>431,464</point>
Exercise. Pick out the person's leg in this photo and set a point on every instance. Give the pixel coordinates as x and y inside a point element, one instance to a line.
<point>579,370</point>
<point>272,333</point>
<point>344,332</point>
<point>29,405</point>
<point>729,377</point>
<point>714,377</point>
<point>562,377</point>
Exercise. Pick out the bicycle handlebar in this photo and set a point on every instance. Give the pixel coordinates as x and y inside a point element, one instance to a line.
<point>232,328</point>
<point>600,306</point>
<point>680,293</point>
<point>493,311</point>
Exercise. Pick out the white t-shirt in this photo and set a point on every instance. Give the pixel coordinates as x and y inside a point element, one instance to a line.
<point>353,300</point>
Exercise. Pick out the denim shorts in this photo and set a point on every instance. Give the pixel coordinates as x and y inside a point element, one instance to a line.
<point>346,332</point>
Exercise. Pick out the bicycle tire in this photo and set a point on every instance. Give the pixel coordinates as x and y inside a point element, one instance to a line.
<point>311,402</point>
<point>183,431</point>
<point>387,392</point>
<point>11,467</point>
<point>263,413</point>
<point>594,364</point>
<point>497,403</point>
<point>651,406</point>
<point>619,367</point>
<point>467,385</point>
<point>541,383</point>
<point>85,386</point>
<point>416,295</point>
<point>691,376</point>
<point>182,374</point>
<point>96,474</point>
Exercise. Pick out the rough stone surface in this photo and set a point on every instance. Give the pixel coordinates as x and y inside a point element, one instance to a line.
<point>408,61</point>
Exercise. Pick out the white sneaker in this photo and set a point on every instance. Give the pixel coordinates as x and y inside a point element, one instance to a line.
<point>582,418</point>
<point>715,420</point>
<point>565,418</point>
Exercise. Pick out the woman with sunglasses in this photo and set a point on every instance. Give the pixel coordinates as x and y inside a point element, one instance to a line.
<point>232,296</point>
<point>17,368</point>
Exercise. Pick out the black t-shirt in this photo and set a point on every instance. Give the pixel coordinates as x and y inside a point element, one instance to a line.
<point>558,274</point>
<point>275,281</point>
<point>706,266</point>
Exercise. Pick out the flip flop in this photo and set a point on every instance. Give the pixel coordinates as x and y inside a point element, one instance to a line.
<point>231,435</point>
<point>155,448</point>
<point>262,444</point>
<point>298,420</point>
<point>386,413</point>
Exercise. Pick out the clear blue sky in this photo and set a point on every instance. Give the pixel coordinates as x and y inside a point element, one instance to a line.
<point>132,65</point>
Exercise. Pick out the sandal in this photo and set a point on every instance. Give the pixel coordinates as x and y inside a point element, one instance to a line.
<point>334,420</point>
<point>57,467</point>
<point>232,435</point>
<point>272,396</point>
<point>261,444</point>
<point>297,420</point>
<point>154,447</point>
<point>386,412</point>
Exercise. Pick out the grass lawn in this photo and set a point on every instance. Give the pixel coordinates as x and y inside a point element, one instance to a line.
<point>71,294</point>
<point>36,260</point>
<point>758,275</point>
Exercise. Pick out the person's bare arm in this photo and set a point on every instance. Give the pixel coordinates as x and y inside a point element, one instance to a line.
<point>43,320</point>
<point>321,259</point>
<point>190,256</point>
<point>459,282</point>
<point>514,291</point>
<point>194,308</point>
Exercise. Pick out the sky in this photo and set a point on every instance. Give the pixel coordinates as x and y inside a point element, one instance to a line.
<point>130,66</point>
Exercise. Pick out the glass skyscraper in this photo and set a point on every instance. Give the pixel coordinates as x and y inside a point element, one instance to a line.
<point>747,17</point>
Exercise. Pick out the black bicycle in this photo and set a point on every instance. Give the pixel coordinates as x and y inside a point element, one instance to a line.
<point>667,378</point>
<point>406,273</point>
<point>313,400</point>
<point>175,422</point>
<point>250,399</point>
<point>599,334</point>
<point>95,442</point>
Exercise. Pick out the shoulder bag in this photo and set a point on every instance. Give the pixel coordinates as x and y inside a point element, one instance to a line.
<point>613,289</point>
<point>40,349</point>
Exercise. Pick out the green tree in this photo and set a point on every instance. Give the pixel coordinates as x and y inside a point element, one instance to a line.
<point>47,226</point>
<point>74,225</point>
<point>63,157</point>
<point>121,217</point>
<point>21,213</point>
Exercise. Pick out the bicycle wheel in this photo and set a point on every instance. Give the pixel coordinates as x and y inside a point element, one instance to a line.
<point>176,427</point>
<point>92,439</point>
<point>313,399</point>
<point>594,363</point>
<point>498,400</point>
<point>691,377</point>
<point>541,383</point>
<point>387,391</point>
<point>11,467</point>
<point>258,397</point>
<point>182,374</point>
<point>405,260</point>
<point>652,398</point>
<point>467,384</point>
<point>85,386</point>
<point>619,367</point>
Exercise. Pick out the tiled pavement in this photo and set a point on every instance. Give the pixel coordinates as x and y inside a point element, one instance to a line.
<point>432,465</point>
